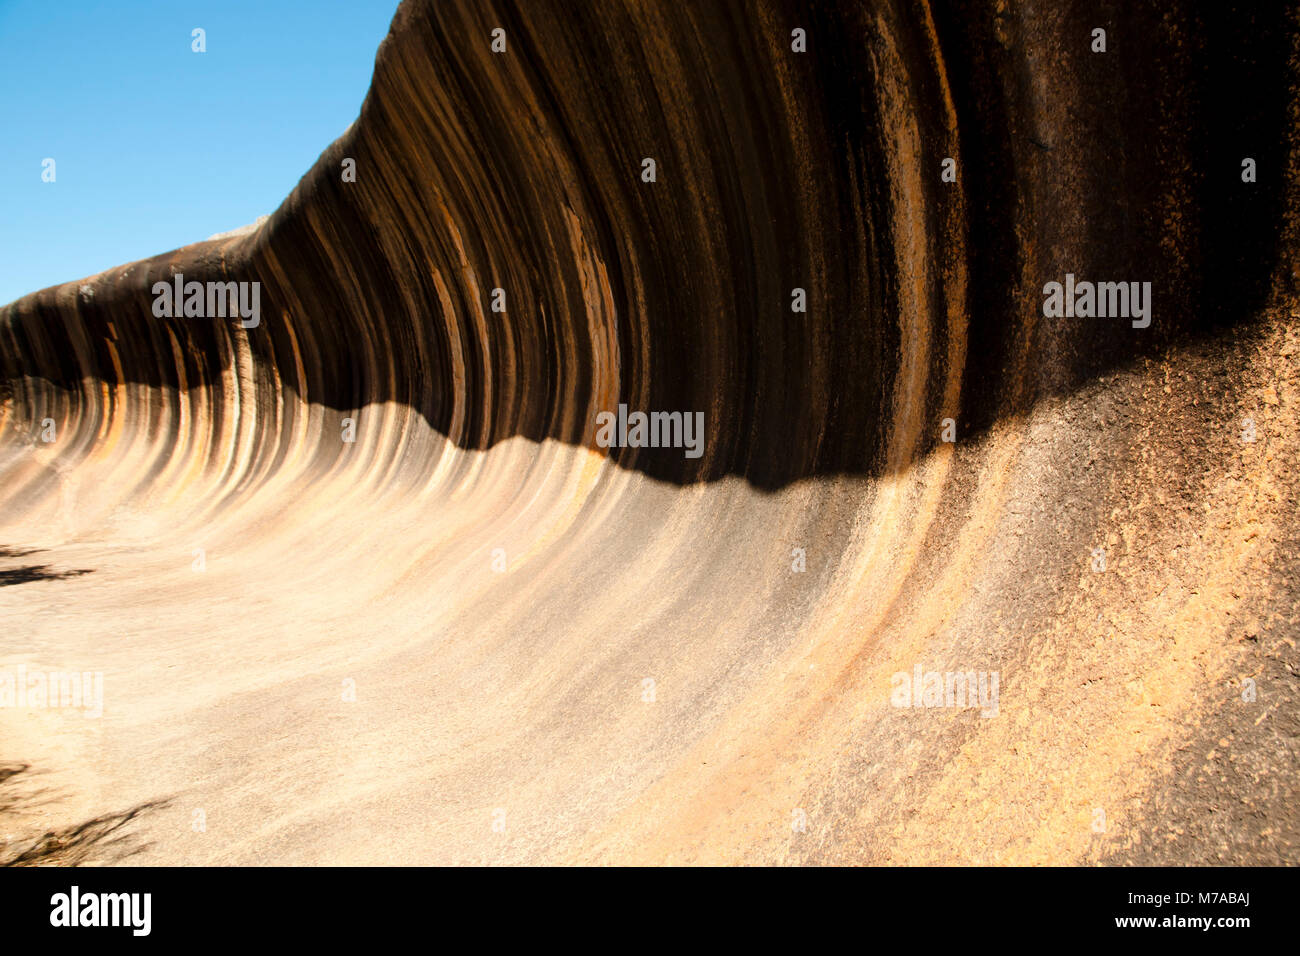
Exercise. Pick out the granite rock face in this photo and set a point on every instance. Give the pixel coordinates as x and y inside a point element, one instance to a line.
<point>364,575</point>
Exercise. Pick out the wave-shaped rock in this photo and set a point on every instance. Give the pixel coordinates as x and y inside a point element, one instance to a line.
<point>364,584</point>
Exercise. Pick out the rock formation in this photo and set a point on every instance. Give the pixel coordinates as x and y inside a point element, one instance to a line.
<point>364,587</point>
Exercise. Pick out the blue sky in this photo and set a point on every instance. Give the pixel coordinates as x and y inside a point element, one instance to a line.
<point>156,146</point>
